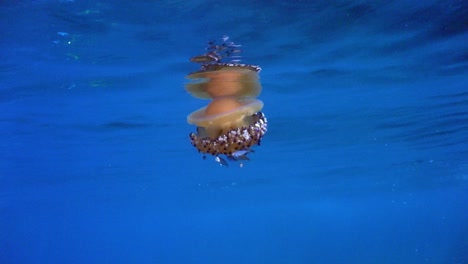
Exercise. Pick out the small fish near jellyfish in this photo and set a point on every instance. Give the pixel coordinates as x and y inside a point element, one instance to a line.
<point>232,123</point>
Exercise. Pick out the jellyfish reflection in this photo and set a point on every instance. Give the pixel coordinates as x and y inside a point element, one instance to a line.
<point>232,123</point>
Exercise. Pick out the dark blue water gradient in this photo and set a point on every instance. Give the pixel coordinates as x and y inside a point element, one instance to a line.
<point>365,160</point>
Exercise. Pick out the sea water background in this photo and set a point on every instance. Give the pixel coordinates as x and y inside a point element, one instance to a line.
<point>365,160</point>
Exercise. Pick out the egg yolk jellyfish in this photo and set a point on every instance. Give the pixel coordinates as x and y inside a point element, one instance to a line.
<point>232,122</point>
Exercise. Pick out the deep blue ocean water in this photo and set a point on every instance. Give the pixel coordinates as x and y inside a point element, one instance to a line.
<point>365,159</point>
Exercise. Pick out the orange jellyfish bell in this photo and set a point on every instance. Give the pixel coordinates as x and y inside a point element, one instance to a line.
<point>221,116</point>
<point>232,123</point>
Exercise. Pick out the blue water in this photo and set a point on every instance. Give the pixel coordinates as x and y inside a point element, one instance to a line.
<point>365,159</point>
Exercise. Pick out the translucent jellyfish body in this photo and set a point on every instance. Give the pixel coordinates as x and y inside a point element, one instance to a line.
<point>232,122</point>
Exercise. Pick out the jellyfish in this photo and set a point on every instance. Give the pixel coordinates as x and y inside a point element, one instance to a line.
<point>232,123</point>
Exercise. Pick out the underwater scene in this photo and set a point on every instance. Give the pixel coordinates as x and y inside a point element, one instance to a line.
<point>245,131</point>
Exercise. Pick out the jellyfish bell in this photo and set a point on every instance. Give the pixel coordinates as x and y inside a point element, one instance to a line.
<point>225,81</point>
<point>229,142</point>
<point>224,114</point>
